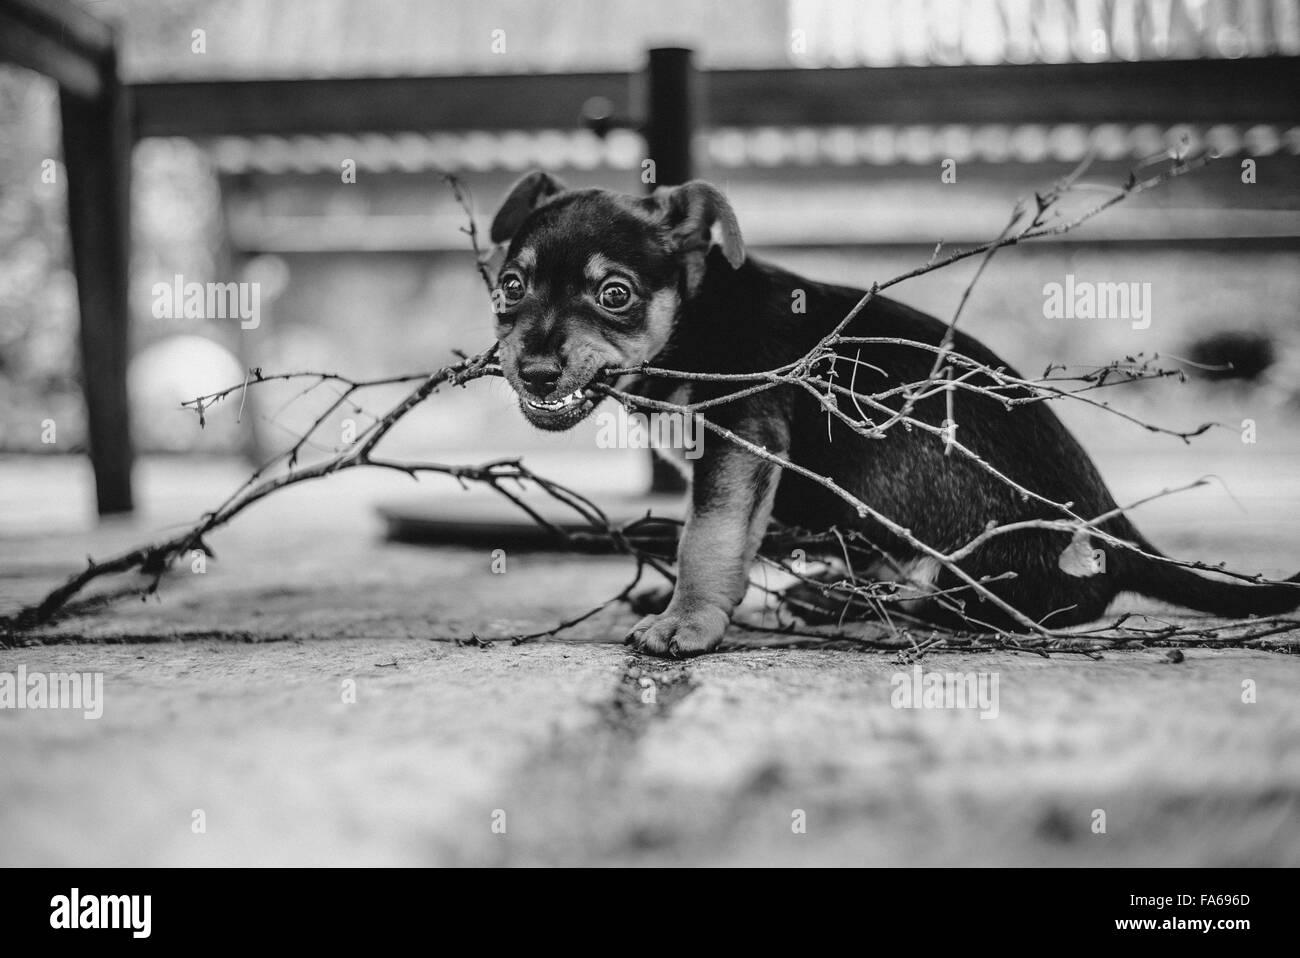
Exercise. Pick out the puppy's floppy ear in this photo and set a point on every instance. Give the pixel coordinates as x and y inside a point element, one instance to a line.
<point>525,196</point>
<point>699,216</point>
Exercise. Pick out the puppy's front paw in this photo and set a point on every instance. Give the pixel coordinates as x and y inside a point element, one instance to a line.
<point>679,633</point>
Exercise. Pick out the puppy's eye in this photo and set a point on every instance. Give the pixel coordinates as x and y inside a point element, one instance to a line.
<point>510,289</point>
<point>615,296</point>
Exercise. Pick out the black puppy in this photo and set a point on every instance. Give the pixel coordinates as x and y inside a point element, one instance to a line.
<point>595,280</point>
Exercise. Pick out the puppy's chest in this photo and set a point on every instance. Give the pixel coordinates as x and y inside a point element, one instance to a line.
<point>676,442</point>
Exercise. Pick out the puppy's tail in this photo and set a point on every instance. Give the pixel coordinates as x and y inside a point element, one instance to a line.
<point>1182,586</point>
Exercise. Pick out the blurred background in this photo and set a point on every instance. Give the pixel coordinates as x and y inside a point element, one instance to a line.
<point>813,115</point>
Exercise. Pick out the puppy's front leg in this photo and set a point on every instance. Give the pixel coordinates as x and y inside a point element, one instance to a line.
<point>731,503</point>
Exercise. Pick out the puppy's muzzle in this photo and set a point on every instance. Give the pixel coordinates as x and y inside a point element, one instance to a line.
<point>537,384</point>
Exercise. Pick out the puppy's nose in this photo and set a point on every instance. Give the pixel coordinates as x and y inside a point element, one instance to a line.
<point>541,377</point>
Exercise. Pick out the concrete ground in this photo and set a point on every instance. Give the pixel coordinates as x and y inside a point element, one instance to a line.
<point>315,697</point>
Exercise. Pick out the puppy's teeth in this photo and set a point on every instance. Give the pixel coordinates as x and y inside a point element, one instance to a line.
<point>564,402</point>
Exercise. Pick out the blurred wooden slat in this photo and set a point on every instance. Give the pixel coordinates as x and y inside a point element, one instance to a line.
<point>57,39</point>
<point>97,157</point>
<point>1170,91</point>
<point>286,107</point>
<point>1192,91</point>
<point>74,26</point>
